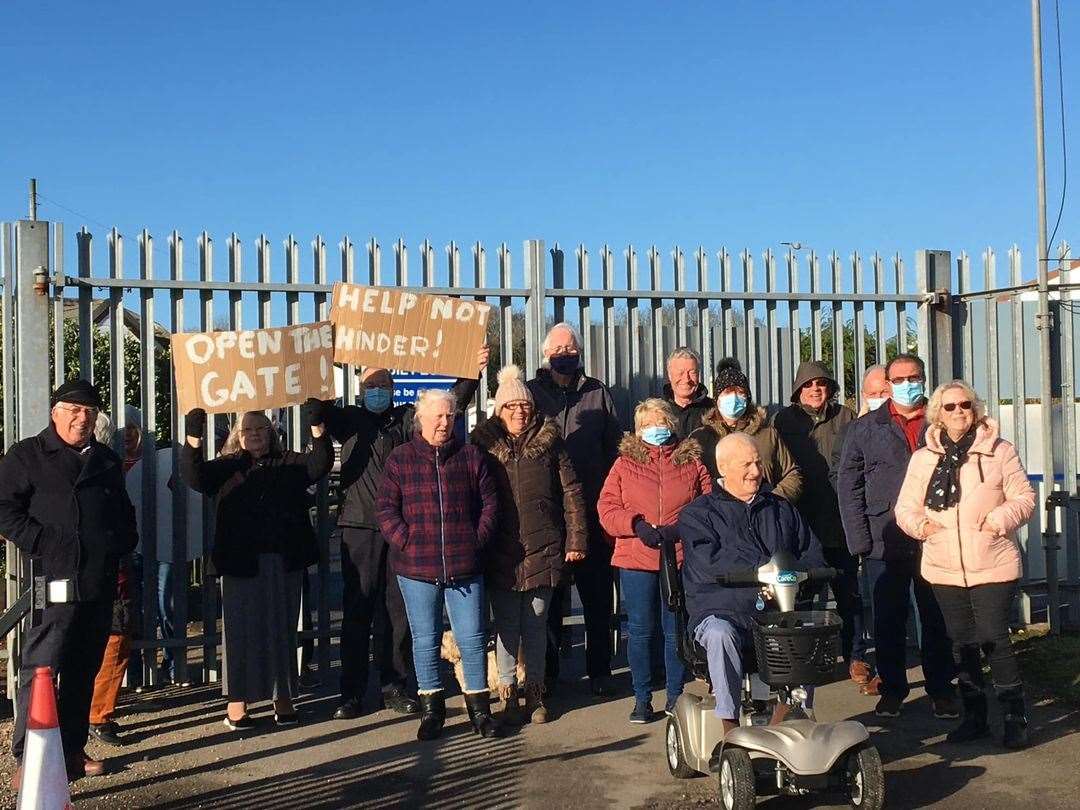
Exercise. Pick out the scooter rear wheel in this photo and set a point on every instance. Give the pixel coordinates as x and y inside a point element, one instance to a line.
<point>676,759</point>
<point>738,788</point>
<point>865,779</point>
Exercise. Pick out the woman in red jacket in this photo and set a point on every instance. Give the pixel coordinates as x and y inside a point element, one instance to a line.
<point>654,477</point>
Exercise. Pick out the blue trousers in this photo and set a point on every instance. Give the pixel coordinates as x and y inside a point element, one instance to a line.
<point>647,617</point>
<point>723,643</point>
<point>464,602</point>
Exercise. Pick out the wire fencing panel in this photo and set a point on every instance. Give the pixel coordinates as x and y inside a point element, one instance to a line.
<point>632,308</point>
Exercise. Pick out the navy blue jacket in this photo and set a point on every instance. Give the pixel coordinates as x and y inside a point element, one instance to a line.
<point>873,463</point>
<point>722,535</point>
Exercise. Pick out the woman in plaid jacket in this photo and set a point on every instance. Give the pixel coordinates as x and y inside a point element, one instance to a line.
<point>437,510</point>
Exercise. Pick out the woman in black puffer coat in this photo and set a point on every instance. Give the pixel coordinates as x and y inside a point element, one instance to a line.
<point>263,539</point>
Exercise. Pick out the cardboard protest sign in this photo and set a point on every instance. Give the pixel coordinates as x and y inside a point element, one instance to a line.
<point>227,372</point>
<point>388,328</point>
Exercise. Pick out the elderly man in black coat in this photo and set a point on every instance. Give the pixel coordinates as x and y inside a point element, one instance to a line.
<point>63,502</point>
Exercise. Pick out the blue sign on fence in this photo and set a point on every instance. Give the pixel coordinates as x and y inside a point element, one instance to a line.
<point>408,384</point>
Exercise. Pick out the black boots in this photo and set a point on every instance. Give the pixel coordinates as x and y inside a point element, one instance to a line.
<point>973,726</point>
<point>432,715</point>
<point>397,700</point>
<point>1016,724</point>
<point>479,706</point>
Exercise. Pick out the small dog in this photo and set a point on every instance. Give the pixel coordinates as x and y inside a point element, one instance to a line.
<point>449,651</point>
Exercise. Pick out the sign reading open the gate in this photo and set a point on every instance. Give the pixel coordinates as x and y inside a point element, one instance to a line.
<point>388,328</point>
<point>226,372</point>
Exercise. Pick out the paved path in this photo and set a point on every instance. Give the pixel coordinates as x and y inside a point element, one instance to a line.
<point>181,756</point>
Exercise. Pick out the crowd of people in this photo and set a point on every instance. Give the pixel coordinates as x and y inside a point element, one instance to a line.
<point>918,493</point>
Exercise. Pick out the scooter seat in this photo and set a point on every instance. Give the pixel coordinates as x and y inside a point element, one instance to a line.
<point>805,747</point>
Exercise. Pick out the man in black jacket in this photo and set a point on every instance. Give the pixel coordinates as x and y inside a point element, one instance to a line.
<point>684,391</point>
<point>63,501</point>
<point>371,598</point>
<point>583,408</point>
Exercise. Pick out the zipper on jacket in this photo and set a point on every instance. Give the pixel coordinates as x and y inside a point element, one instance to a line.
<point>960,547</point>
<point>660,478</point>
<point>442,518</point>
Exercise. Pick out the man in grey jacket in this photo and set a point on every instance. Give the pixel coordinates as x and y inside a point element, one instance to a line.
<point>584,410</point>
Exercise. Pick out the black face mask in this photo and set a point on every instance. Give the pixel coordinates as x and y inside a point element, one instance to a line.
<point>564,363</point>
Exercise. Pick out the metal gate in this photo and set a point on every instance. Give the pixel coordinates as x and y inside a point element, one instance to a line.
<point>631,311</point>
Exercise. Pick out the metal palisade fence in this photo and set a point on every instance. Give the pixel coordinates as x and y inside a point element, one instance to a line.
<point>110,321</point>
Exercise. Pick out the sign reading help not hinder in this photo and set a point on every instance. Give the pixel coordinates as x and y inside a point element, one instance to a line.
<point>227,372</point>
<point>434,334</point>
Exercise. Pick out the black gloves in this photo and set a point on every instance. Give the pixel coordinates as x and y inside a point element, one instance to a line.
<point>314,411</point>
<point>195,423</point>
<point>670,532</point>
<point>649,535</point>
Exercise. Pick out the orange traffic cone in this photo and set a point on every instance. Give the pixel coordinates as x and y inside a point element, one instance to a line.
<point>44,772</point>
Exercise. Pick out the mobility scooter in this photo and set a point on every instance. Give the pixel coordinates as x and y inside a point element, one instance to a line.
<point>794,650</point>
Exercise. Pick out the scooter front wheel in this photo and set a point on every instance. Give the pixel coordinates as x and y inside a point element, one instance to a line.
<point>865,779</point>
<point>738,789</point>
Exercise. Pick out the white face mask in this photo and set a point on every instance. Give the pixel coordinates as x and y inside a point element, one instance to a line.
<point>873,403</point>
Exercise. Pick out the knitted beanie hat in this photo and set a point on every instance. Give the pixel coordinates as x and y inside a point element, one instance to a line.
<point>511,388</point>
<point>729,374</point>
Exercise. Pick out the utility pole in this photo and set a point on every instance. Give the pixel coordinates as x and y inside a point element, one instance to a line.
<point>1044,323</point>
<point>33,199</point>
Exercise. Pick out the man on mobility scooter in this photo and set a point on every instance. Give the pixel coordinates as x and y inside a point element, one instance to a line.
<point>742,546</point>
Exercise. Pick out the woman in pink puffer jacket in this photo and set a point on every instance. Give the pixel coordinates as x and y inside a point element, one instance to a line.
<point>964,496</point>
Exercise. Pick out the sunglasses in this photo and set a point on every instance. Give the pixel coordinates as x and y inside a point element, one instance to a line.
<point>952,406</point>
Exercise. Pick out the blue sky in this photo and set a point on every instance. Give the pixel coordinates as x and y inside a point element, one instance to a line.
<point>844,125</point>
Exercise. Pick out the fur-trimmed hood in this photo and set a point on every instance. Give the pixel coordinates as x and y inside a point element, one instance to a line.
<point>755,421</point>
<point>637,449</point>
<point>537,440</point>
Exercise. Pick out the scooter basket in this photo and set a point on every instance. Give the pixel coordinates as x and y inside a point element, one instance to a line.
<point>799,648</point>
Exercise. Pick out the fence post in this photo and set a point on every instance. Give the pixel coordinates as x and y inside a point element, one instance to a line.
<point>933,269</point>
<point>32,377</point>
<point>535,280</point>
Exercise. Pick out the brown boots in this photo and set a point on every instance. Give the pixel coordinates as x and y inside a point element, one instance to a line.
<point>534,703</point>
<point>510,712</point>
<point>535,710</point>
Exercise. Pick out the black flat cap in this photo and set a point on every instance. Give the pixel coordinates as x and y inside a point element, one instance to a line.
<point>77,392</point>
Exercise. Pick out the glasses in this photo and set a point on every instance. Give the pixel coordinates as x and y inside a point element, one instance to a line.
<point>78,410</point>
<point>815,384</point>
<point>561,350</point>
<point>914,378</point>
<point>952,406</point>
<point>518,407</point>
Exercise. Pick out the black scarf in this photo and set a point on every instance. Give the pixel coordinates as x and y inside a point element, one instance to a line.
<point>943,490</point>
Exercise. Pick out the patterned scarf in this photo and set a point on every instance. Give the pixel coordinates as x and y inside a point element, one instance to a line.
<point>943,490</point>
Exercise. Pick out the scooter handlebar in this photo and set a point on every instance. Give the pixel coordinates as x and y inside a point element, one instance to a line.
<point>739,578</point>
<point>821,574</point>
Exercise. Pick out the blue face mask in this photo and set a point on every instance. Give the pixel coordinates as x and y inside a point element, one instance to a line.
<point>377,400</point>
<point>656,436</point>
<point>732,406</point>
<point>908,393</point>
<point>873,403</point>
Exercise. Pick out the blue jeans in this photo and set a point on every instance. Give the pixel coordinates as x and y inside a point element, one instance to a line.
<point>646,616</point>
<point>849,603</point>
<point>166,617</point>
<point>464,601</point>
